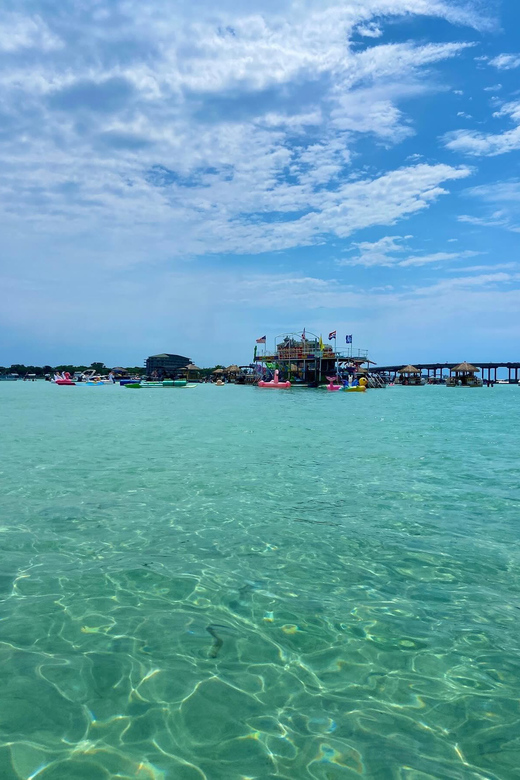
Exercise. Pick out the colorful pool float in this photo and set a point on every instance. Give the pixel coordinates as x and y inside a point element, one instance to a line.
<point>275,383</point>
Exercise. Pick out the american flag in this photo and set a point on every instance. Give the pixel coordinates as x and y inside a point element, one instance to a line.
<point>332,335</point>
<point>262,340</point>
<point>303,335</point>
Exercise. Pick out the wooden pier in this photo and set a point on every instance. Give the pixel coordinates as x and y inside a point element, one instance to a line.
<point>437,370</point>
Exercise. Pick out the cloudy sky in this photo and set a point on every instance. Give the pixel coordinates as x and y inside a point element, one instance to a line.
<point>189,176</point>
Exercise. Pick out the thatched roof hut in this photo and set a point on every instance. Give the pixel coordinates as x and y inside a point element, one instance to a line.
<point>465,368</point>
<point>409,370</point>
<point>234,369</point>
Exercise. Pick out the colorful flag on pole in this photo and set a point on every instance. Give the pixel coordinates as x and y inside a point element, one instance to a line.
<point>332,335</point>
<point>303,335</point>
<point>256,350</point>
<point>262,340</point>
<point>348,339</point>
<point>322,346</point>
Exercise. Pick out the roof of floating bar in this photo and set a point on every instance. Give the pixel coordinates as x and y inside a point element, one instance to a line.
<point>465,367</point>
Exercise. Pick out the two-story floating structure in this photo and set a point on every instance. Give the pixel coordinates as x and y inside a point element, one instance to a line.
<point>305,359</point>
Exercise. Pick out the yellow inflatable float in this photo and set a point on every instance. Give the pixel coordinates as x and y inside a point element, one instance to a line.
<point>360,388</point>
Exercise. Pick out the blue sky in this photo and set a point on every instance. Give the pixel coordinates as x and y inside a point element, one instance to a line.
<point>187,177</point>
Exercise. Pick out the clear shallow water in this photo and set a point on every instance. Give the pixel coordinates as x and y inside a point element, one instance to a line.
<point>355,559</point>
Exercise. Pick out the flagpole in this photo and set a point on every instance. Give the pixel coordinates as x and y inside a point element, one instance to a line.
<point>336,351</point>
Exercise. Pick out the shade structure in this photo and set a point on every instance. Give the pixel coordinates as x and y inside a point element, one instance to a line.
<point>465,368</point>
<point>232,369</point>
<point>409,370</point>
<point>192,367</point>
<point>218,371</point>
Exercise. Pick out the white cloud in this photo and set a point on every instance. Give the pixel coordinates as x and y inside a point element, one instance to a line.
<point>497,192</point>
<point>369,31</point>
<point>215,50</point>
<point>511,109</point>
<point>488,144</point>
<point>217,129</point>
<point>493,88</point>
<point>506,195</point>
<point>340,212</point>
<point>392,58</point>
<point>479,268</point>
<point>390,251</point>
<point>376,253</point>
<point>496,219</point>
<point>481,145</point>
<point>436,257</point>
<point>26,32</point>
<point>301,292</point>
<point>505,61</point>
<point>490,280</point>
<point>365,111</point>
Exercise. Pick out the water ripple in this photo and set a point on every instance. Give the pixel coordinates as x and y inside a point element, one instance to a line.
<point>201,587</point>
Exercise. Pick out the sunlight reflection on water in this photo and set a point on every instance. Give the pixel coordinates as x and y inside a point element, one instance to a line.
<point>231,584</point>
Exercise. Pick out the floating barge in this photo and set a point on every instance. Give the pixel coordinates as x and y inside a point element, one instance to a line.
<point>410,375</point>
<point>304,360</point>
<point>464,375</point>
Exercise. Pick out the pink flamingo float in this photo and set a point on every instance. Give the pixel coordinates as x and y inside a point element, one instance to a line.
<point>274,382</point>
<point>63,379</point>
<point>331,386</point>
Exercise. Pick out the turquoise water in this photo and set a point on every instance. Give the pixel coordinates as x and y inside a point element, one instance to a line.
<point>231,583</point>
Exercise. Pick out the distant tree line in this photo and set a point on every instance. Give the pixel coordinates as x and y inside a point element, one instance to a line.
<point>100,368</point>
<point>204,372</point>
